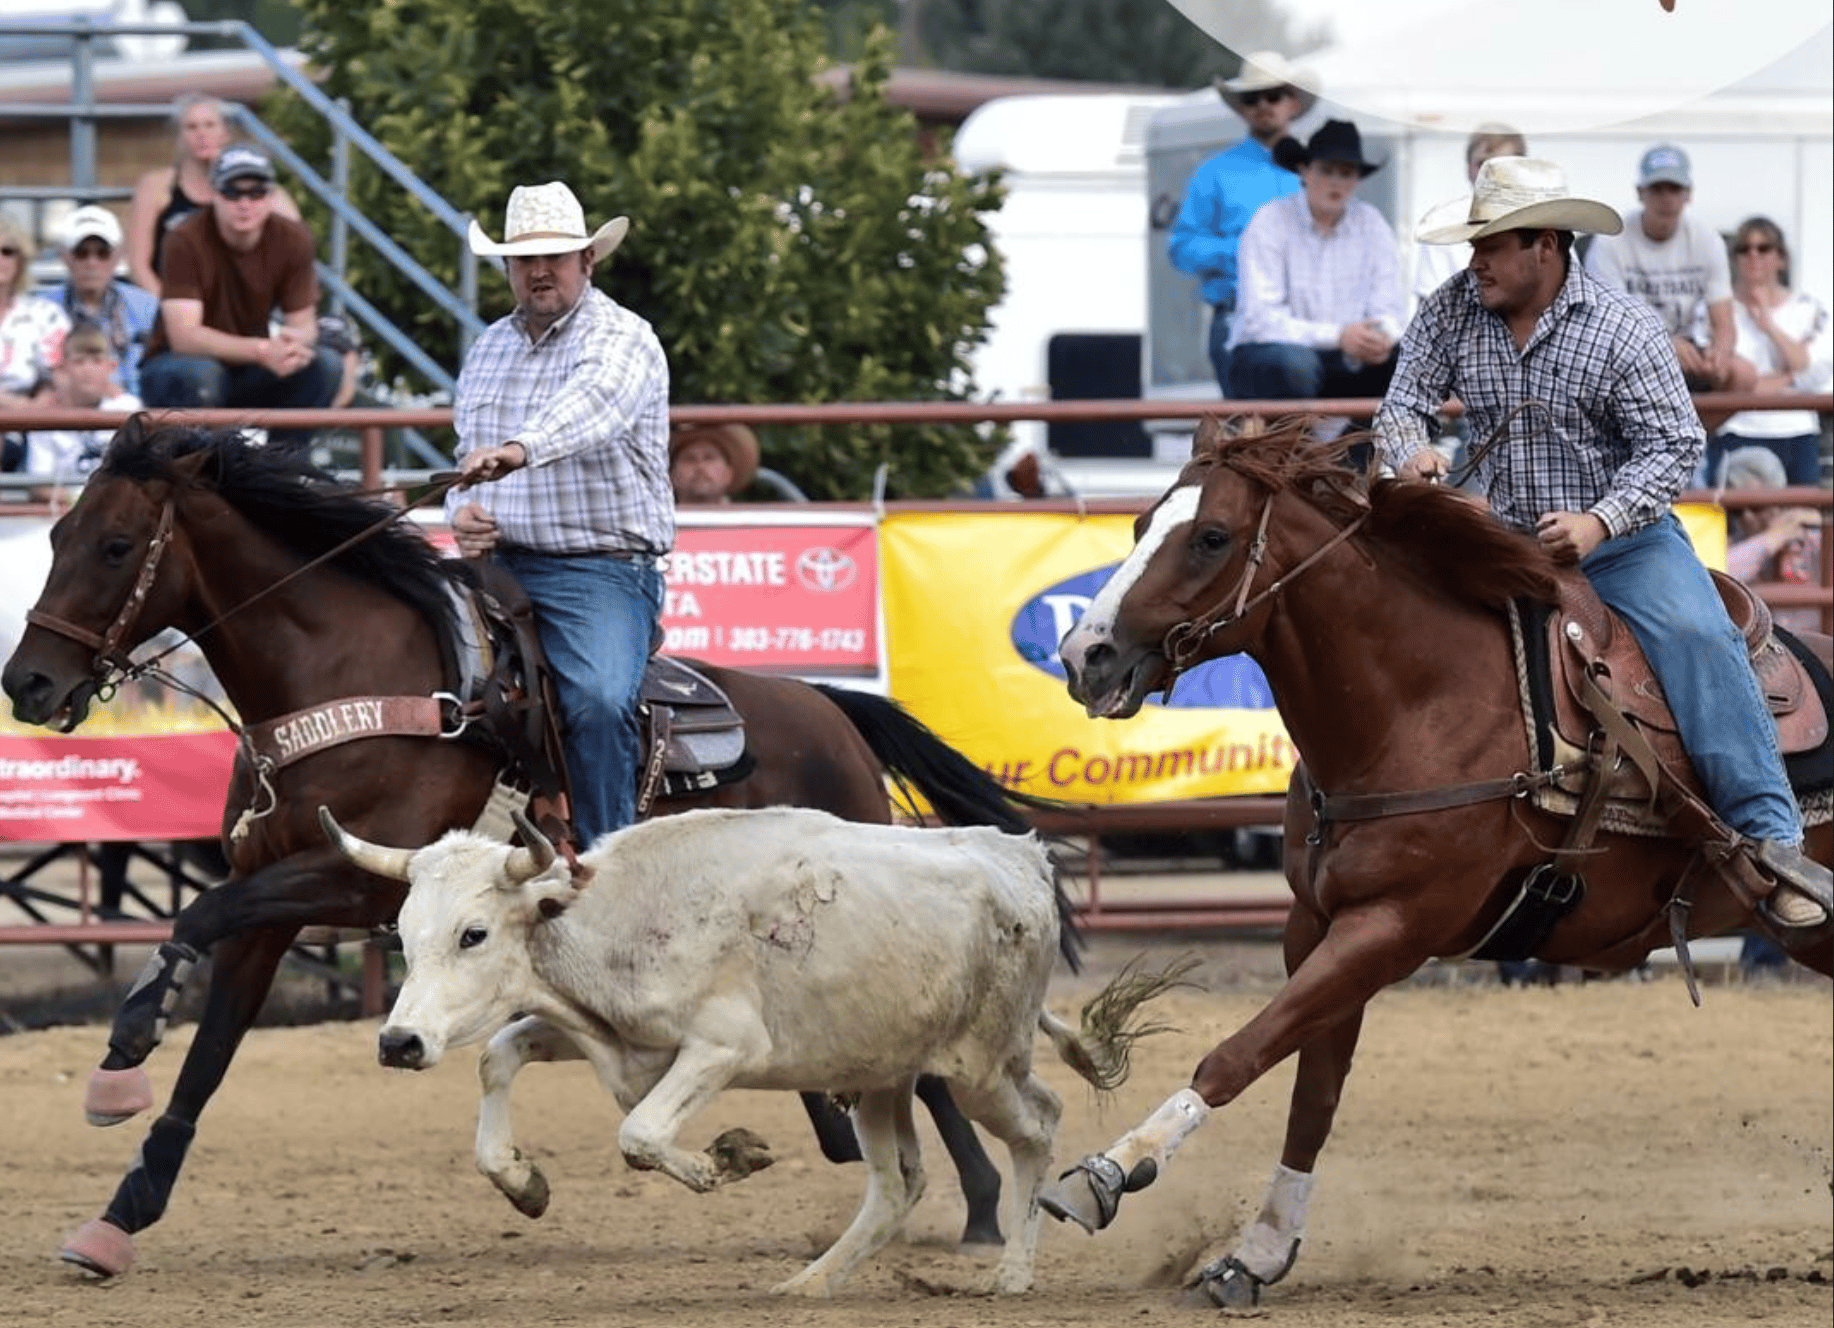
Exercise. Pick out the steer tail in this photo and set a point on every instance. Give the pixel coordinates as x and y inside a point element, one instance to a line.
<point>1102,1049</point>
<point>958,791</point>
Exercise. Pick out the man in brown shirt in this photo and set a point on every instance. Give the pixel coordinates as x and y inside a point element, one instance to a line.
<point>227,270</point>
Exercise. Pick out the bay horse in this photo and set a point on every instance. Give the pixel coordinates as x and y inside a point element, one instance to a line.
<point>197,530</point>
<point>1378,612</point>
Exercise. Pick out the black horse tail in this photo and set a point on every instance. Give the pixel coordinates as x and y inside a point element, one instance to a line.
<point>961,792</point>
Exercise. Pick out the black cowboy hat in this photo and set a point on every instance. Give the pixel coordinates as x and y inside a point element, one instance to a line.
<point>1336,140</point>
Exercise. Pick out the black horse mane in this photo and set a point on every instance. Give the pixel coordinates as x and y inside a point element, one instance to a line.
<point>1451,542</point>
<point>292,501</point>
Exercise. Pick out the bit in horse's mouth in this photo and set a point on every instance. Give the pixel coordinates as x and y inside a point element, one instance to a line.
<point>1125,699</point>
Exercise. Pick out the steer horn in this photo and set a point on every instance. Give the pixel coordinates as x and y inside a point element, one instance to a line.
<point>388,862</point>
<point>525,863</point>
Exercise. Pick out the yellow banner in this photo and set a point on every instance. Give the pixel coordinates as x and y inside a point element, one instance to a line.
<point>974,607</point>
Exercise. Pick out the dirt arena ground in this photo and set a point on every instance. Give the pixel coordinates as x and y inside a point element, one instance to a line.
<point>1591,1156</point>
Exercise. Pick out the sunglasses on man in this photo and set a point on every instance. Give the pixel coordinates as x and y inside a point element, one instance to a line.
<point>96,250</point>
<point>236,193</point>
<point>1269,95</point>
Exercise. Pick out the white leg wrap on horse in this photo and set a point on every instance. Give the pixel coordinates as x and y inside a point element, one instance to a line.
<point>1267,1246</point>
<point>1159,1135</point>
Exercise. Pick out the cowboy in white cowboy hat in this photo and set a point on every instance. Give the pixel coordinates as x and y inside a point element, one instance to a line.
<point>1225,191</point>
<point>1593,471</point>
<point>564,403</point>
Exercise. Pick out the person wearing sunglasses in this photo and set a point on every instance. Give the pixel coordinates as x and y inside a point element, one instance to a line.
<point>93,294</point>
<point>32,331</point>
<point>1225,191</point>
<point>1784,337</point>
<point>227,267</point>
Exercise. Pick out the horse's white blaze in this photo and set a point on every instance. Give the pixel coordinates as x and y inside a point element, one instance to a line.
<point>1097,623</point>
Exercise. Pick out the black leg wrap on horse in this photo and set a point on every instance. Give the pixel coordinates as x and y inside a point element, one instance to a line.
<point>144,1192</point>
<point>140,1023</point>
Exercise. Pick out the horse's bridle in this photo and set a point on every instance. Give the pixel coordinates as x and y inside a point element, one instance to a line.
<point>111,664</point>
<point>1185,640</point>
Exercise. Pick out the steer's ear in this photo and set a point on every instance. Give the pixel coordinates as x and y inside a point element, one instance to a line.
<point>549,895</point>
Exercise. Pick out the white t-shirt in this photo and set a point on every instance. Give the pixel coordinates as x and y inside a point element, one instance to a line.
<point>1677,277</point>
<point>70,454</point>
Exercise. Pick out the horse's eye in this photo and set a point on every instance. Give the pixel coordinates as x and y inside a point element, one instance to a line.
<point>116,550</point>
<point>472,937</point>
<point>1213,539</point>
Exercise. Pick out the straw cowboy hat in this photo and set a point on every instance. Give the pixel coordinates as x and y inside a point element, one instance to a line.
<point>738,443</point>
<point>548,219</point>
<point>1516,194</point>
<point>1336,140</point>
<point>1263,71</point>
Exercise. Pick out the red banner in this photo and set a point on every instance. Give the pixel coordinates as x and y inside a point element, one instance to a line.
<point>135,786</point>
<point>803,597</point>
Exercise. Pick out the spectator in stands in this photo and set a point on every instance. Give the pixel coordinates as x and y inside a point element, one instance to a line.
<point>1676,264</point>
<point>338,335</point>
<point>708,463</point>
<point>166,196</point>
<point>227,268</point>
<point>32,331</point>
<point>84,380</point>
<point>1436,264</point>
<point>93,294</point>
<point>1785,338</point>
<point>1780,544</point>
<point>1320,307</point>
<point>1228,189</point>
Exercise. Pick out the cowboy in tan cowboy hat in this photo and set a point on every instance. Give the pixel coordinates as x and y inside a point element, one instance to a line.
<point>708,463</point>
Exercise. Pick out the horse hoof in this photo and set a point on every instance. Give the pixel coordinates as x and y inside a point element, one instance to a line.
<point>99,1247</point>
<point>531,1197</point>
<point>116,1095</point>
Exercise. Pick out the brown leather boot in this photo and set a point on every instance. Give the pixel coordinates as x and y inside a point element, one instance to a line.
<point>1805,888</point>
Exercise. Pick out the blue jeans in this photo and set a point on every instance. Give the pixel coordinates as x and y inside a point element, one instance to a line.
<point>1282,371</point>
<point>1801,456</point>
<point>200,383</point>
<point>596,615</point>
<point>1222,321</point>
<point>1659,587</point>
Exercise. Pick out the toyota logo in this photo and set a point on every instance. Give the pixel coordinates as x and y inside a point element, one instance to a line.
<point>825,570</point>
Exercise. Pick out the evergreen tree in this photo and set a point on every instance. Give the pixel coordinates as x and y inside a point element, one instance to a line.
<point>788,246</point>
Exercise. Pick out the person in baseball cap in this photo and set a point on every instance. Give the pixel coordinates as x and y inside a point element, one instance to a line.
<point>1676,263</point>
<point>90,243</point>
<point>241,161</point>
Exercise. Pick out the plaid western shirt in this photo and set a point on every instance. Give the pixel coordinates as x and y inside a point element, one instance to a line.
<point>1619,438</point>
<point>589,400</point>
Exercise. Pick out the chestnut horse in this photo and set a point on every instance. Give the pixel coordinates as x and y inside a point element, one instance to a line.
<point>1377,613</point>
<point>197,530</point>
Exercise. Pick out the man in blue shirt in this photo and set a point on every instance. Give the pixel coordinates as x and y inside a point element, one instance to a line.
<point>1269,94</point>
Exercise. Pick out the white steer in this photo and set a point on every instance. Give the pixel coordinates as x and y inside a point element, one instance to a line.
<point>778,949</point>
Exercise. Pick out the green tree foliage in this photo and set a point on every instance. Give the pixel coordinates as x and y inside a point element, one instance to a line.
<point>787,245</point>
